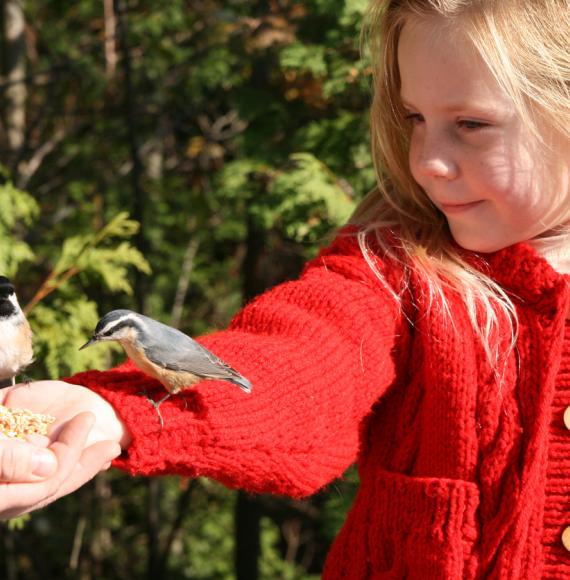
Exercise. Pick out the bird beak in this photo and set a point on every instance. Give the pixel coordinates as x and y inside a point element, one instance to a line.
<point>89,342</point>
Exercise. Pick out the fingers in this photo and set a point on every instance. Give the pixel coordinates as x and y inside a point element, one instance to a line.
<point>70,445</point>
<point>94,459</point>
<point>23,462</point>
<point>67,450</point>
<point>19,498</point>
<point>99,456</point>
<point>38,440</point>
<point>74,466</point>
<point>63,401</point>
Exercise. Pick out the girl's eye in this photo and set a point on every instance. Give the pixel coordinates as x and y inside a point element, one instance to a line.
<point>472,125</point>
<point>414,118</point>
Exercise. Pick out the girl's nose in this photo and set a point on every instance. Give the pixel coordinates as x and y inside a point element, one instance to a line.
<point>435,159</point>
<point>438,167</point>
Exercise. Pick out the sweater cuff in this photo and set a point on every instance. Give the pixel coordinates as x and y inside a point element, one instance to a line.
<point>127,390</point>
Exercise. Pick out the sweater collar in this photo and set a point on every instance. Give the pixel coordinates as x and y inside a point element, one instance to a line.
<point>520,270</point>
<point>524,273</point>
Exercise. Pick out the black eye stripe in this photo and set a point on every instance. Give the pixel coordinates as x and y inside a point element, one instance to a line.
<point>117,327</point>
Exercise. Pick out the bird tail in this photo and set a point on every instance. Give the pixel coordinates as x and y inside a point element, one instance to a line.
<point>241,382</point>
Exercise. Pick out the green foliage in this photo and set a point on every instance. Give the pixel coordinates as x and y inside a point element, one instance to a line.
<point>218,71</point>
<point>304,58</point>
<point>309,200</point>
<point>254,116</point>
<point>61,326</point>
<point>62,323</point>
<point>60,329</point>
<point>206,532</point>
<point>18,523</point>
<point>273,565</point>
<point>98,253</point>
<point>305,199</point>
<point>17,209</point>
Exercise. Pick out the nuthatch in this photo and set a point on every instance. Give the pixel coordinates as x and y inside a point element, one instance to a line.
<point>16,351</point>
<point>168,355</point>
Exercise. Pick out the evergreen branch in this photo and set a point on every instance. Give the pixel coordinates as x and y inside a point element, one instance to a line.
<point>48,286</point>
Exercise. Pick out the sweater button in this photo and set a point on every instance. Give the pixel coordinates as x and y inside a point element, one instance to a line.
<point>566,538</point>
<point>567,418</point>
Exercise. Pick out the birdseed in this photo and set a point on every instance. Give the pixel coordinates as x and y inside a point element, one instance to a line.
<point>17,423</point>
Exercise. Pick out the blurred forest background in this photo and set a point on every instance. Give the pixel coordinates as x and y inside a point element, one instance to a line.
<point>176,158</point>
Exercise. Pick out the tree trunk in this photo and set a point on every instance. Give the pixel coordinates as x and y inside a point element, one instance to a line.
<point>154,497</point>
<point>248,510</point>
<point>247,537</point>
<point>14,73</point>
<point>140,196</point>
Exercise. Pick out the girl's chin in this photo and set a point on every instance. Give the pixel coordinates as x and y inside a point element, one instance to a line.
<point>478,244</point>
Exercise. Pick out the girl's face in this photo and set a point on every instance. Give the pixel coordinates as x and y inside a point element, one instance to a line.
<point>470,151</point>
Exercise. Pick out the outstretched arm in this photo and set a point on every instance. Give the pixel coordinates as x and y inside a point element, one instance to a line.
<point>319,351</point>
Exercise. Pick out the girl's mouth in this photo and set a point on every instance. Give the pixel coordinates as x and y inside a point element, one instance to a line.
<point>453,208</point>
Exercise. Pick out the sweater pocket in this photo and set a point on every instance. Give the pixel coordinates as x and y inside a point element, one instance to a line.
<point>420,527</point>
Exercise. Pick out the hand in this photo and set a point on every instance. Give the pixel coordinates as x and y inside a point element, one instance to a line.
<point>75,466</point>
<point>81,443</point>
<point>26,461</point>
<point>63,401</point>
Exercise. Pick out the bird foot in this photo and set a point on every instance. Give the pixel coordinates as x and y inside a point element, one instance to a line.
<point>156,408</point>
<point>155,404</point>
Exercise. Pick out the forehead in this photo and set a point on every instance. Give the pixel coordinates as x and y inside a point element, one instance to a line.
<point>439,65</point>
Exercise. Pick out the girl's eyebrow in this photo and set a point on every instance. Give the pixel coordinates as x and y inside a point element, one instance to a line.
<point>460,107</point>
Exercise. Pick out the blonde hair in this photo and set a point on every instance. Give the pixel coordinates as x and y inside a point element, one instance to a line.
<point>525,45</point>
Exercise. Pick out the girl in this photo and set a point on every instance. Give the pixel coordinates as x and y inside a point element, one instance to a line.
<point>429,342</point>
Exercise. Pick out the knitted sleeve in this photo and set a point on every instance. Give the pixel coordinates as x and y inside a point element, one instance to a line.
<point>319,351</point>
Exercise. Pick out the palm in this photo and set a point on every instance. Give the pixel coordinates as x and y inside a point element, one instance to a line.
<point>84,443</point>
<point>63,401</point>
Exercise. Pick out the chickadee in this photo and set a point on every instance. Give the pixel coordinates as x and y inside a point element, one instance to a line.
<point>170,356</point>
<point>16,351</point>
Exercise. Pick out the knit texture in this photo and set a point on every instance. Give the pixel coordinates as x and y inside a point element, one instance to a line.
<point>557,505</point>
<point>462,477</point>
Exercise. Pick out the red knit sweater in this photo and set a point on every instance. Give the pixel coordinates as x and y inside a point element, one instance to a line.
<point>460,478</point>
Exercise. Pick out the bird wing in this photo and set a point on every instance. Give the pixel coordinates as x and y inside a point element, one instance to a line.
<point>183,354</point>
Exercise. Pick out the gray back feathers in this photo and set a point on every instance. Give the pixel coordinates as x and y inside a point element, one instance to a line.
<point>169,348</point>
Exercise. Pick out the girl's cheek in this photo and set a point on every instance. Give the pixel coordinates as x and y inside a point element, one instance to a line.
<point>413,162</point>
<point>501,176</point>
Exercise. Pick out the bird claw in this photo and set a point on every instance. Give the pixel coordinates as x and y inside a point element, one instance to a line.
<point>155,404</point>
<point>156,408</point>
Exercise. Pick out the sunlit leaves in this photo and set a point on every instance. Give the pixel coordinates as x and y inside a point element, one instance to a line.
<point>18,209</point>
<point>100,253</point>
<point>310,200</point>
<point>60,329</point>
